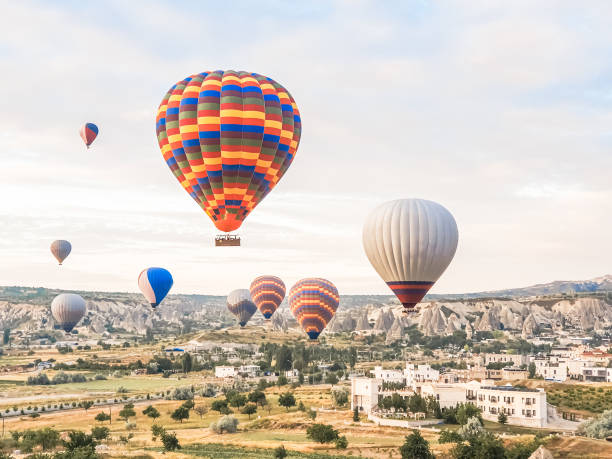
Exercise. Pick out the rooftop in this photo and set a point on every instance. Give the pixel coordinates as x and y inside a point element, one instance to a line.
<point>510,388</point>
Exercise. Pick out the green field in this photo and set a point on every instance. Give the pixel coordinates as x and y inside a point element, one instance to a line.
<point>591,399</point>
<point>219,451</point>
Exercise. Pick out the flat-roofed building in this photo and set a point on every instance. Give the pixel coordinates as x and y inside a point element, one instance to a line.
<point>364,393</point>
<point>523,407</point>
<point>517,360</point>
<point>387,375</point>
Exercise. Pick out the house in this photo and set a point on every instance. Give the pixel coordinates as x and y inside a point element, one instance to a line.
<point>514,374</point>
<point>447,395</point>
<point>225,372</point>
<point>364,393</point>
<point>44,365</point>
<point>249,371</point>
<point>523,407</point>
<point>517,360</point>
<point>292,375</point>
<point>420,373</point>
<point>596,374</point>
<point>388,375</point>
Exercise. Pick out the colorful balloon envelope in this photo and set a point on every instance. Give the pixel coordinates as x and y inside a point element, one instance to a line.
<point>313,302</point>
<point>240,304</point>
<point>410,242</point>
<point>228,137</point>
<point>88,132</point>
<point>267,292</point>
<point>60,250</point>
<point>155,283</point>
<point>67,309</point>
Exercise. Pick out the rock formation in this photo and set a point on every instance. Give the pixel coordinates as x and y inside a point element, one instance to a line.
<point>396,332</point>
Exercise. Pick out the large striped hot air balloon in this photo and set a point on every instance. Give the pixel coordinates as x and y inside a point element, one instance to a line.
<point>60,250</point>
<point>228,137</point>
<point>67,309</point>
<point>267,292</point>
<point>88,132</point>
<point>240,304</point>
<point>155,283</point>
<point>313,302</point>
<point>410,242</point>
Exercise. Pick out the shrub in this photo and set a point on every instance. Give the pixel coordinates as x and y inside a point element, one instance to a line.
<point>449,436</point>
<point>227,424</point>
<point>280,452</point>
<point>322,433</point>
<point>102,416</point>
<point>182,393</point>
<point>170,441</point>
<point>341,442</point>
<point>472,428</point>
<point>100,432</point>
<point>597,427</point>
<point>416,447</point>
<point>340,396</point>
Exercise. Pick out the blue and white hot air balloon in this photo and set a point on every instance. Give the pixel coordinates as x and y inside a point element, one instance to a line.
<point>155,283</point>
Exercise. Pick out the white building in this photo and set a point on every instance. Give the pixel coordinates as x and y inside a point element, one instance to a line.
<point>447,395</point>
<point>596,374</point>
<point>388,375</point>
<point>524,407</point>
<point>364,393</point>
<point>552,371</point>
<point>420,373</point>
<point>225,372</point>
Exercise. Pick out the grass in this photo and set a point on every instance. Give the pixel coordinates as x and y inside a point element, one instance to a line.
<point>220,451</point>
<point>574,397</point>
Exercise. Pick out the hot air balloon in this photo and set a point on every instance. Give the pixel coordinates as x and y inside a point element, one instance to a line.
<point>88,132</point>
<point>228,137</point>
<point>240,304</point>
<point>313,302</point>
<point>410,242</point>
<point>268,292</point>
<point>60,250</point>
<point>67,309</point>
<point>155,283</point>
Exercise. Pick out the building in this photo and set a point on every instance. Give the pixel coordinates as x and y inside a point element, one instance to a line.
<point>514,374</point>
<point>419,374</point>
<point>249,371</point>
<point>596,356</point>
<point>388,375</point>
<point>551,369</point>
<point>596,374</point>
<point>447,395</point>
<point>517,360</point>
<point>364,393</point>
<point>225,372</point>
<point>523,407</point>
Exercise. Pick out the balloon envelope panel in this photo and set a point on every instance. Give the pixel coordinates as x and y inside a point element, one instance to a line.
<point>228,137</point>
<point>313,302</point>
<point>155,283</point>
<point>410,242</point>
<point>240,304</point>
<point>267,292</point>
<point>67,309</point>
<point>60,250</point>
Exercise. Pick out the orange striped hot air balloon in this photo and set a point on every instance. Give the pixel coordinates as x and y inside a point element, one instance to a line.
<point>228,137</point>
<point>267,292</point>
<point>313,302</point>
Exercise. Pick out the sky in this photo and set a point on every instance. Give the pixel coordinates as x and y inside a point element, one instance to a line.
<point>500,111</point>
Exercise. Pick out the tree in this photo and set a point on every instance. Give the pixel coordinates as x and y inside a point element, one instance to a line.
<point>186,362</point>
<point>340,396</point>
<point>201,410</point>
<point>532,370</point>
<point>282,381</point>
<point>341,442</point>
<point>284,359</point>
<point>249,408</point>
<point>416,447</point>
<point>597,427</point>
<point>189,404</point>
<point>280,452</point>
<point>287,400</point>
<point>485,445</point>
<point>502,418</point>
<point>219,405</point>
<point>102,416</point>
<point>151,411</point>
<point>466,411</point>
<point>352,357</point>
<point>100,432</point>
<point>78,440</point>
<point>356,414</point>
<point>157,431</point>
<point>257,397</point>
<point>127,411</point>
<point>180,414</point>
<point>331,378</point>
<point>6,336</point>
<point>237,400</point>
<point>449,436</point>
<point>472,428</point>
<point>322,433</point>
<point>225,424</point>
<point>170,441</point>
<point>87,404</point>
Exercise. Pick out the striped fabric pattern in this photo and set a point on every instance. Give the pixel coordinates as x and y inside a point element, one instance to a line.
<point>410,293</point>
<point>88,133</point>
<point>240,304</point>
<point>267,292</point>
<point>313,302</point>
<point>60,250</point>
<point>228,137</point>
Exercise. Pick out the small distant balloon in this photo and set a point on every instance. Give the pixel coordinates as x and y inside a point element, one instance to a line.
<point>88,132</point>
<point>155,283</point>
<point>313,302</point>
<point>240,304</point>
<point>60,250</point>
<point>267,292</point>
<point>67,309</point>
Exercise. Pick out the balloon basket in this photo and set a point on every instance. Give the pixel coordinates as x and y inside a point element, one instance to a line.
<point>227,240</point>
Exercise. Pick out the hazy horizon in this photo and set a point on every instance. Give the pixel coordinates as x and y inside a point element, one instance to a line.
<point>501,113</point>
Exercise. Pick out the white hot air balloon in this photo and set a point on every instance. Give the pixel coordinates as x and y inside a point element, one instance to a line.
<point>410,242</point>
<point>60,250</point>
<point>67,309</point>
